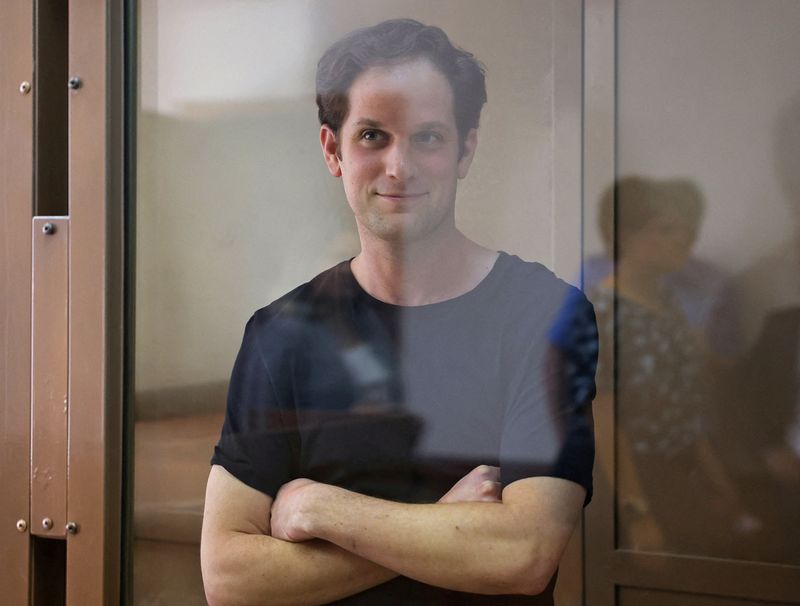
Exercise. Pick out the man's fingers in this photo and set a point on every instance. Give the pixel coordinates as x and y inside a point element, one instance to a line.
<point>490,491</point>
<point>480,484</point>
<point>490,472</point>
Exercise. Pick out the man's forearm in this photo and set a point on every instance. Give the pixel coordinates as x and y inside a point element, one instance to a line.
<point>258,569</point>
<point>242,564</point>
<point>462,546</point>
<point>491,548</point>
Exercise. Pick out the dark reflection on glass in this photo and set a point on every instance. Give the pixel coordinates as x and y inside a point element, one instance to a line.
<point>680,112</point>
<point>674,493</point>
<point>668,216</point>
<point>761,428</point>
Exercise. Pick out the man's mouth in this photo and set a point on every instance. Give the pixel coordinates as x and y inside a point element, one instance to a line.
<point>401,195</point>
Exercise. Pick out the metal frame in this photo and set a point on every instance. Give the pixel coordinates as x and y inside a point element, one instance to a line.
<point>16,209</point>
<point>49,376</point>
<point>599,169</point>
<point>96,318</point>
<point>89,262</point>
<point>567,234</point>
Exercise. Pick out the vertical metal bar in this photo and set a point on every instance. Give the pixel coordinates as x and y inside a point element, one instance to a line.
<point>599,171</point>
<point>567,210</point>
<point>95,262</point>
<point>130,87</point>
<point>567,143</point>
<point>49,402</point>
<point>16,210</point>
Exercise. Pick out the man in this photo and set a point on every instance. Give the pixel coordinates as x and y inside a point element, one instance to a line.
<point>411,426</point>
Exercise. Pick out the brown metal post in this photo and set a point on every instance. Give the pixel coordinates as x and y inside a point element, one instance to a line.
<point>49,403</point>
<point>598,173</point>
<point>567,212</point>
<point>95,322</point>
<point>16,210</point>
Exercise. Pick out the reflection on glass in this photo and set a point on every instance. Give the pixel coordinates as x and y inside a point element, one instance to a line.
<point>663,389</point>
<point>397,399</point>
<point>235,208</point>
<point>706,278</point>
<point>763,386</point>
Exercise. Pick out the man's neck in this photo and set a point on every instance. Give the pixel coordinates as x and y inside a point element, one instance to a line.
<point>424,272</point>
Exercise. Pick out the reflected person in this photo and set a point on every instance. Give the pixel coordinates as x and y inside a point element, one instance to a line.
<point>765,383</point>
<point>675,493</point>
<point>699,288</point>
<point>413,425</point>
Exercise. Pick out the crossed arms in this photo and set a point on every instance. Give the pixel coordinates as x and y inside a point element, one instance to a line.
<point>318,543</point>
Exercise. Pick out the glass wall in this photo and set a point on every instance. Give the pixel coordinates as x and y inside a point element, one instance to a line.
<point>235,207</point>
<point>690,257</point>
<point>707,301</point>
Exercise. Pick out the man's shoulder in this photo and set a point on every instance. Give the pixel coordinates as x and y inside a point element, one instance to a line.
<point>533,285</point>
<point>304,303</point>
<point>537,298</point>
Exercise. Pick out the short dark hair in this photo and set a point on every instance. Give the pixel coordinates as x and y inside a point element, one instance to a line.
<point>396,41</point>
<point>640,199</point>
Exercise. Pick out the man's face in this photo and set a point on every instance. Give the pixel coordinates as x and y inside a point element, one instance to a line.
<point>398,152</point>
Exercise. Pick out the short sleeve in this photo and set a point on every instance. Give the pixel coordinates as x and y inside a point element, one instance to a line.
<point>548,430</point>
<point>257,444</point>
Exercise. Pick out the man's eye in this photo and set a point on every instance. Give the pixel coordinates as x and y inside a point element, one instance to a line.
<point>428,137</point>
<point>371,135</point>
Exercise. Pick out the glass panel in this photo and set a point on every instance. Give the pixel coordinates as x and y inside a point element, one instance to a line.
<point>707,300</point>
<point>235,208</point>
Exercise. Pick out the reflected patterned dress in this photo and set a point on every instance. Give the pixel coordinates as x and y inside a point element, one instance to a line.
<point>662,400</point>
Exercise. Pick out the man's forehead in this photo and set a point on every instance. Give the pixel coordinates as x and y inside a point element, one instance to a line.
<point>415,91</point>
<point>401,74</point>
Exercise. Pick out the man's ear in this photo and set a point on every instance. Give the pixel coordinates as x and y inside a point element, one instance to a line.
<point>327,139</point>
<point>470,143</point>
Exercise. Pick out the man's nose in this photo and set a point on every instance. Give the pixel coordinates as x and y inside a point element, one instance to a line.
<point>399,163</point>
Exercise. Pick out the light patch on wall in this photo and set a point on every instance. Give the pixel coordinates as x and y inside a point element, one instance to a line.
<point>206,50</point>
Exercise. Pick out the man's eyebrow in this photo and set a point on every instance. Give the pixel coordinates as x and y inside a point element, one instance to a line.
<point>424,126</point>
<point>368,122</point>
<point>434,124</point>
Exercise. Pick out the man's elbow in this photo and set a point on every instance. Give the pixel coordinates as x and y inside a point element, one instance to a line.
<point>219,581</point>
<point>214,584</point>
<point>223,590</point>
<point>214,594</point>
<point>531,575</point>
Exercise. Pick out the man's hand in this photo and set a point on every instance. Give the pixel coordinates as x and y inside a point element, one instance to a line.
<point>480,484</point>
<point>508,545</point>
<point>286,515</point>
<point>243,564</point>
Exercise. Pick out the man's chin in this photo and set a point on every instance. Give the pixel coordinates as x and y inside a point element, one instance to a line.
<point>403,228</point>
